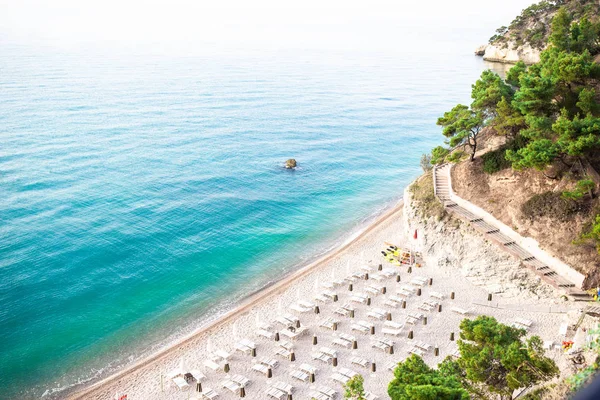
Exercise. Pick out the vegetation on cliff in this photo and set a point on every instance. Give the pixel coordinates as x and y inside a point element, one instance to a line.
<point>531,26</point>
<point>548,113</point>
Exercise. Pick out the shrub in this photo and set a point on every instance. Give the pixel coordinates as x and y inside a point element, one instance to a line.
<point>426,162</point>
<point>584,186</point>
<point>550,204</point>
<point>495,161</point>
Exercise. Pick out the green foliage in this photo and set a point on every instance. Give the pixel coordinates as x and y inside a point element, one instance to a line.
<point>594,233</point>
<point>509,121</point>
<point>438,155</point>
<point>415,380</point>
<point>487,93</point>
<point>496,356</point>
<point>550,204</point>
<point>456,156</point>
<point>354,388</point>
<point>537,154</point>
<point>462,125</point>
<point>583,187</point>
<point>494,161</point>
<point>514,74</point>
<point>561,29</point>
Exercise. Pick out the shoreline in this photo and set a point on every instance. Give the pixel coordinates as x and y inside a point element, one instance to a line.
<point>245,304</point>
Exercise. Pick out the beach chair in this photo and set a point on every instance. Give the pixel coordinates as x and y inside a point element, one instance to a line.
<point>231,386</point>
<point>285,353</point>
<point>424,346</point>
<point>342,311</point>
<point>392,324</point>
<point>301,376</point>
<point>323,299</point>
<point>562,331</point>
<point>456,353</point>
<point>375,315</point>
<point>286,345</point>
<point>299,308</point>
<point>209,394</point>
<point>284,387</point>
<point>329,351</point>
<point>318,396</point>
<point>276,393</point>
<point>328,323</point>
<point>321,357</point>
<point>347,372</point>
<point>347,337</point>
<point>263,369</point>
<point>330,294</point>
<point>359,328</point>
<point>391,303</point>
<point>436,295</point>
<point>366,268</point>
<point>359,361</point>
<point>417,351</point>
<point>460,311</point>
<point>343,379</point>
<point>373,290</point>
<point>269,362</point>
<point>212,365</point>
<point>264,333</point>
<point>240,380</point>
<point>309,369</point>
<point>391,331</point>
<point>358,299</point>
<point>180,382</point>
<point>242,348</point>
<point>342,343</point>
<point>326,391</point>
<point>307,304</point>
<point>197,375</point>
<point>222,354</point>
<point>377,277</point>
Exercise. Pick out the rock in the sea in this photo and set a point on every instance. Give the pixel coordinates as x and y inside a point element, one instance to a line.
<point>290,164</point>
<point>480,50</point>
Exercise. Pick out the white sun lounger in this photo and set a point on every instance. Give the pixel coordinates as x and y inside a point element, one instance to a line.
<point>342,343</point>
<point>392,324</point>
<point>209,394</point>
<point>322,299</point>
<point>242,348</point>
<point>321,357</point>
<point>347,372</point>
<point>424,346</point>
<point>375,315</point>
<point>343,379</point>
<point>343,311</point>
<point>269,362</point>
<point>285,353</point>
<point>299,308</point>
<point>263,369</point>
<point>436,295</point>
<point>301,376</point>
<point>309,369</point>
<point>181,382</point>
<point>359,361</point>
<point>417,351</point>
<point>358,299</point>
<point>319,396</point>
<point>347,337</point>
<point>328,323</point>
<point>284,387</point>
<point>326,391</point>
<point>211,364</point>
<point>231,386</point>
<point>276,393</point>
<point>240,380</point>
<point>359,328</point>
<point>307,304</point>
<point>329,351</point>
<point>377,277</point>
<point>264,333</point>
<point>222,354</point>
<point>391,331</point>
<point>461,311</point>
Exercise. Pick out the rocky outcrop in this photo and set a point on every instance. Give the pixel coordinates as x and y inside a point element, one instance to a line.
<point>509,54</point>
<point>290,164</point>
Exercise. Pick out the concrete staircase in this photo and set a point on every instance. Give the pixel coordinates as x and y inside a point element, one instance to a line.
<point>442,188</point>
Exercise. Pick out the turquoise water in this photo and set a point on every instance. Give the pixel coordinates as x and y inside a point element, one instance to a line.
<point>142,194</point>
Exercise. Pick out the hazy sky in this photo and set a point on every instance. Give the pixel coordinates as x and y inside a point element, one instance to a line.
<point>319,24</point>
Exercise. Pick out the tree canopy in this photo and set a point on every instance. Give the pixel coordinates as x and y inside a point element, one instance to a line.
<point>415,380</point>
<point>498,358</point>
<point>461,126</point>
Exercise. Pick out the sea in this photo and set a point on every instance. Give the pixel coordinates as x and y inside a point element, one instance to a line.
<point>144,195</point>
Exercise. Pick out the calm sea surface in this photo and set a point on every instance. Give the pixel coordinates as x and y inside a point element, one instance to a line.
<point>142,194</point>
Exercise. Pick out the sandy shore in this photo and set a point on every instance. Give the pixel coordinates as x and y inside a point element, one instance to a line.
<point>143,381</point>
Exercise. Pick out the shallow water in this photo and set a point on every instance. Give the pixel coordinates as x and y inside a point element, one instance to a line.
<point>141,193</point>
